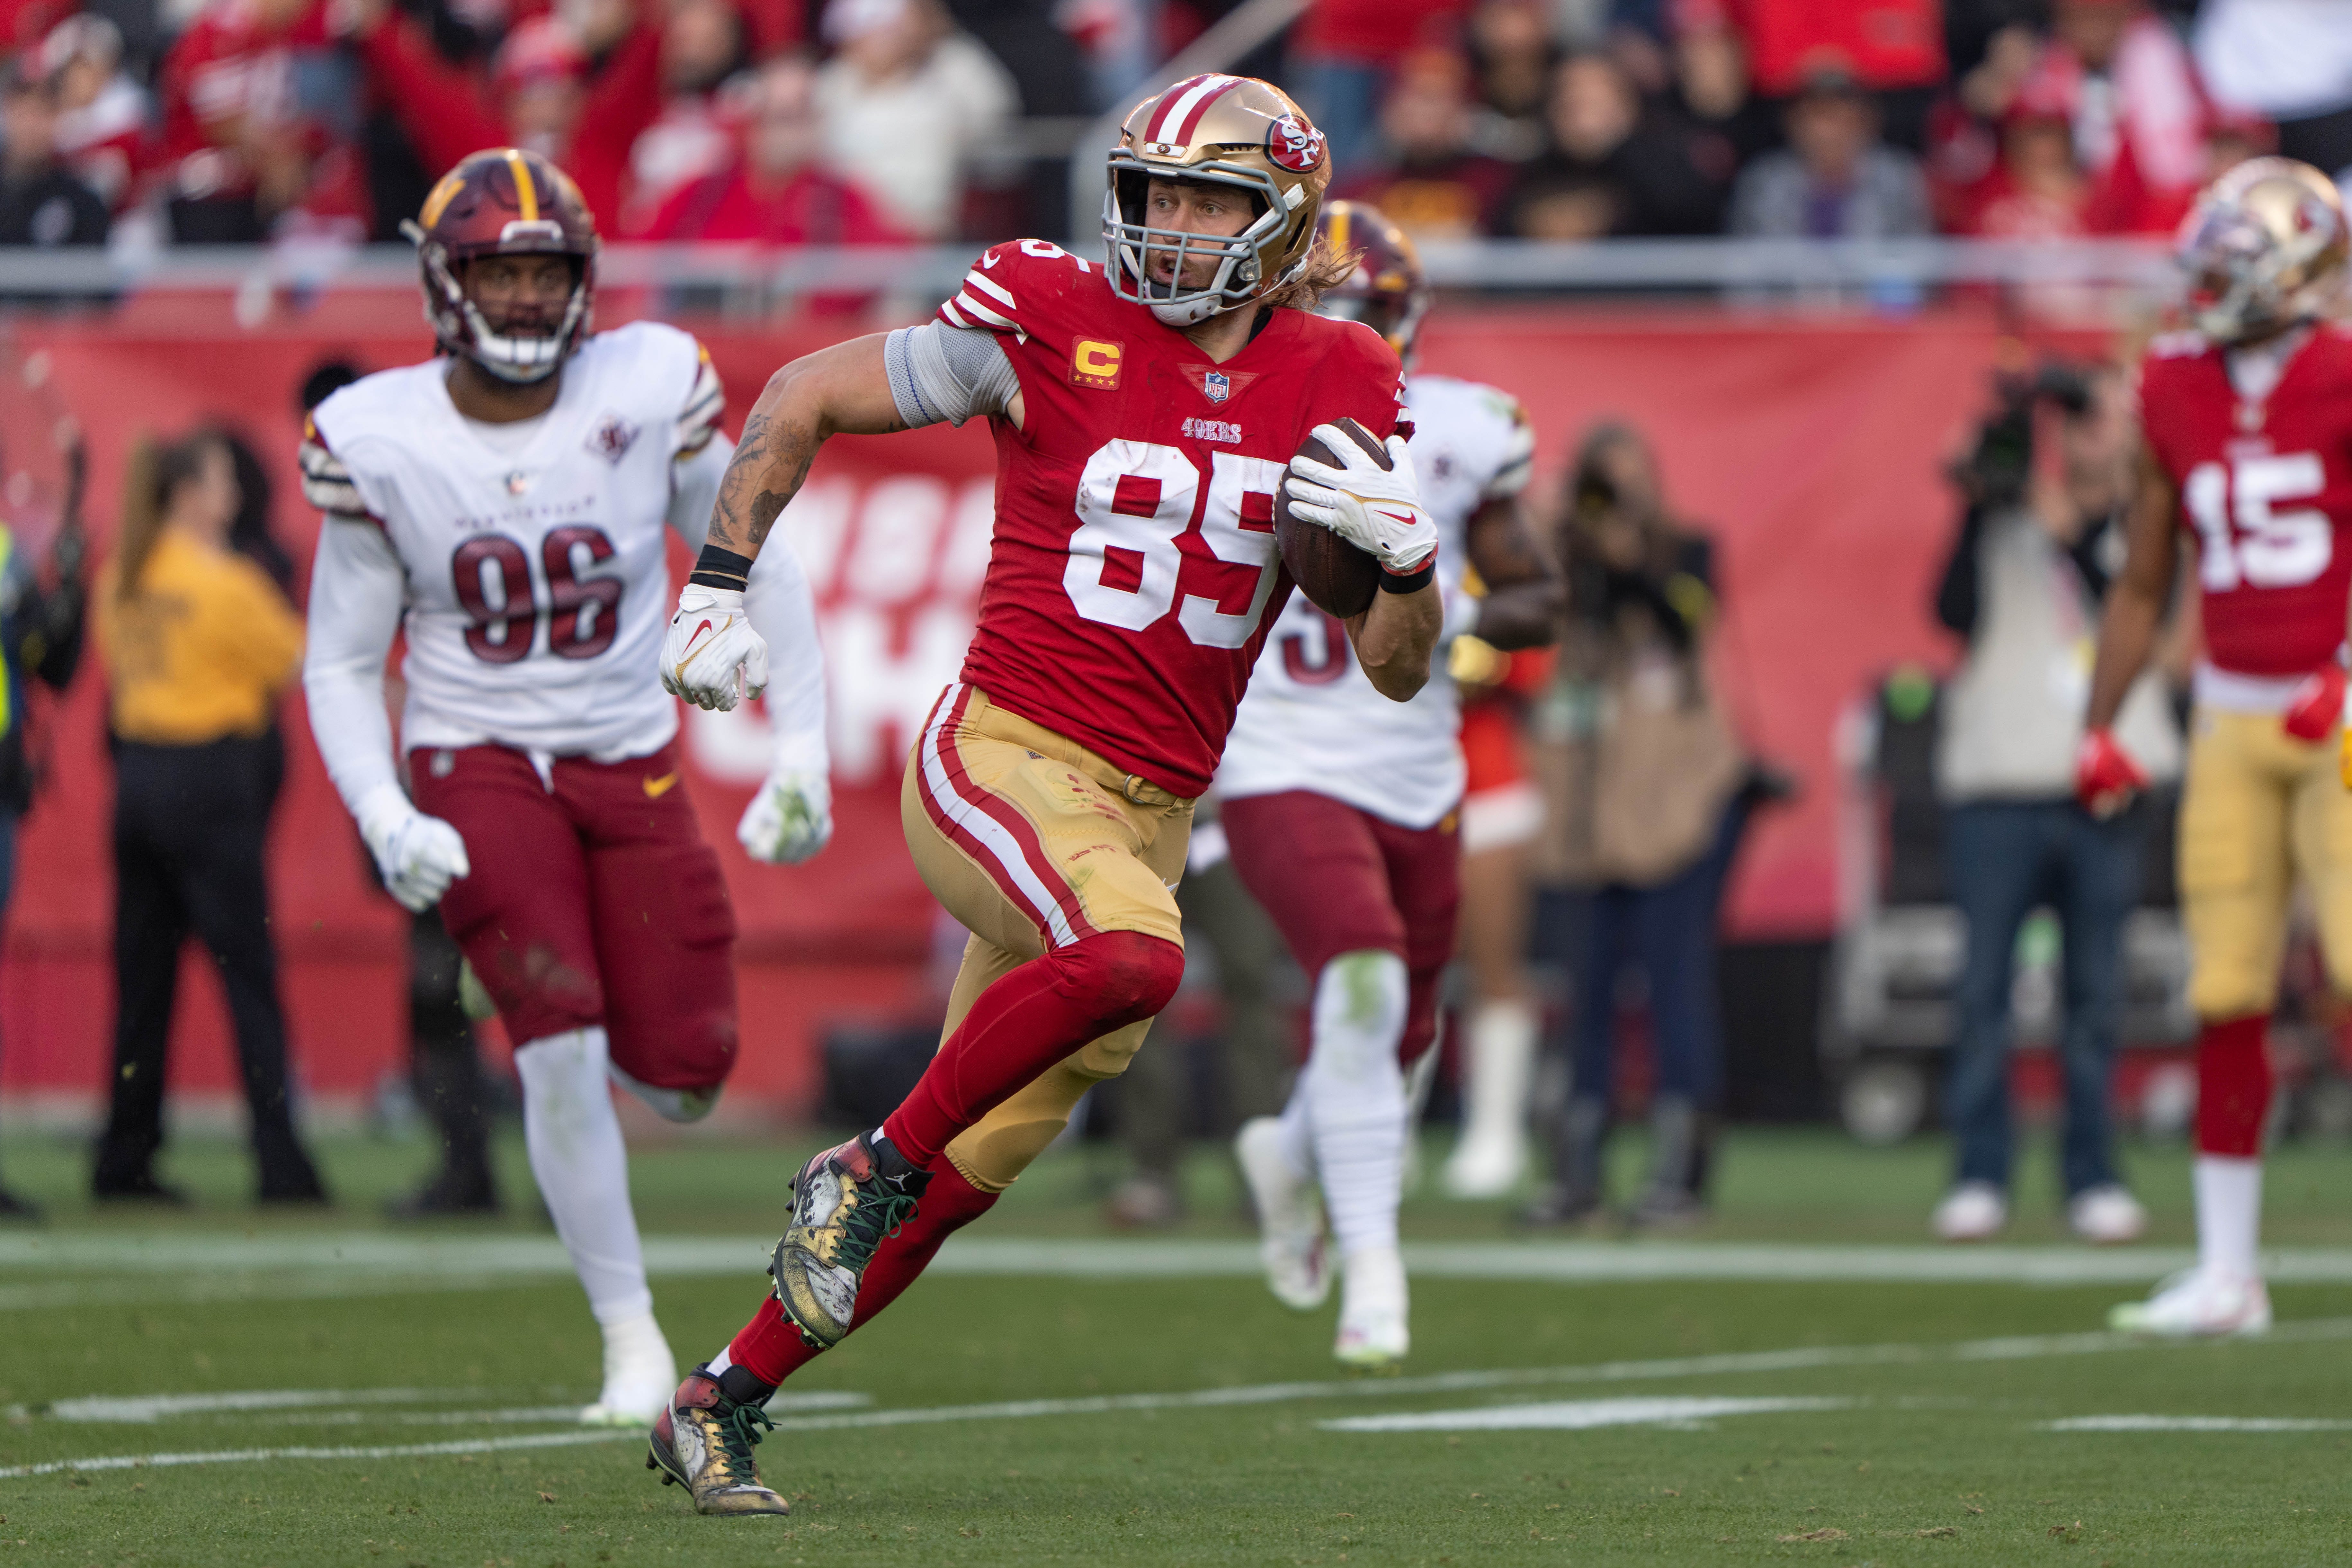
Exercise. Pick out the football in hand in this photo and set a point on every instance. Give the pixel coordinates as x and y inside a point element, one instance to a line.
<point>1336,578</point>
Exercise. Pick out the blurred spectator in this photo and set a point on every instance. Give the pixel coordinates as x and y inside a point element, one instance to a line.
<point>694,135</point>
<point>1645,784</point>
<point>1964,131</point>
<point>101,129</point>
<point>1606,171</point>
<point>2289,61</point>
<point>198,647</point>
<point>2037,546</point>
<point>773,193</point>
<point>1894,47</point>
<point>1511,47</point>
<point>41,203</point>
<point>1835,180</point>
<point>1730,126</point>
<point>909,105</point>
<point>2038,191</point>
<point>1029,38</point>
<point>40,639</point>
<point>1428,181</point>
<point>2139,117</point>
<point>257,111</point>
<point>543,92</point>
<point>1340,56</point>
<point>1118,45</point>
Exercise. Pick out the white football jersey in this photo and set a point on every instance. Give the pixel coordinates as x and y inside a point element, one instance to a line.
<point>536,574</point>
<point>1312,719</point>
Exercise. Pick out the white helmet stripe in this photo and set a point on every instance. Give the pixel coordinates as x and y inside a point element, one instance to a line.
<point>1180,110</point>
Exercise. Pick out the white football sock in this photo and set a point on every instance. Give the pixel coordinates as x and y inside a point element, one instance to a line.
<point>2228,1214</point>
<point>1353,1096</point>
<point>1501,1037</point>
<point>582,1168</point>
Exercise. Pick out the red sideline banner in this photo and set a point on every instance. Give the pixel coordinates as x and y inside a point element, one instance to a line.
<point>1811,449</point>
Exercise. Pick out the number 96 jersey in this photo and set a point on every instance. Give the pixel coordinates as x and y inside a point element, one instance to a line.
<point>1133,572</point>
<point>537,579</point>
<point>2267,486</point>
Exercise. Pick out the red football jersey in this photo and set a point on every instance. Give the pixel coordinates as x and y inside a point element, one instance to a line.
<point>2267,489</point>
<point>1134,572</point>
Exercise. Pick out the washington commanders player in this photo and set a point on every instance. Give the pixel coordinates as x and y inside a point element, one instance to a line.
<point>504,504</point>
<point>1341,809</point>
<point>2247,427</point>
<point>1144,409</point>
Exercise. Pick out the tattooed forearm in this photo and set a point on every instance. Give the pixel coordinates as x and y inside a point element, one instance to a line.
<point>842,389</point>
<point>767,470</point>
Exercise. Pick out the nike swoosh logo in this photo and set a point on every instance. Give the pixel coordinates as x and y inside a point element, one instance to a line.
<point>1405,518</point>
<point>657,788</point>
<point>697,632</point>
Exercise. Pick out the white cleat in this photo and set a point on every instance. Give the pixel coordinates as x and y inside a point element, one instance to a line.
<point>2197,1304</point>
<point>639,1375</point>
<point>2106,1215</point>
<point>1373,1311</point>
<point>1290,1221</point>
<point>1486,1167</point>
<point>1973,1211</point>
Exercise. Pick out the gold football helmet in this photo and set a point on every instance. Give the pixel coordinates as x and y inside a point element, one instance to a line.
<point>2263,249</point>
<point>1218,129</point>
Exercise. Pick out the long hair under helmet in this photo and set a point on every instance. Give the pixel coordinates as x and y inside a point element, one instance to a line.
<point>504,201</point>
<point>2264,248</point>
<point>1386,290</point>
<point>1215,130</point>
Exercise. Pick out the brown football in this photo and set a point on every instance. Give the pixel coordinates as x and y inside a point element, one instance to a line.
<point>1337,577</point>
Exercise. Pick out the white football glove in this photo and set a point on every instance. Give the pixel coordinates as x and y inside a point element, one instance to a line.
<point>711,657</point>
<point>791,818</point>
<point>1375,508</point>
<point>419,855</point>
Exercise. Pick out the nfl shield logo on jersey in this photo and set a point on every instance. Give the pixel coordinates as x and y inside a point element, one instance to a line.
<point>1216,386</point>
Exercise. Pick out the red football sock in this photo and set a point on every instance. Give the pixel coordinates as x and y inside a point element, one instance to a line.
<point>2233,1086</point>
<point>1025,1023</point>
<point>770,1349</point>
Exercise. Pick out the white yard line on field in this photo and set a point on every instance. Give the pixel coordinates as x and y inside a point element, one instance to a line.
<point>194,1267</point>
<point>332,1406</point>
<point>2021,1347</point>
<point>2194,1423</point>
<point>1575,1414</point>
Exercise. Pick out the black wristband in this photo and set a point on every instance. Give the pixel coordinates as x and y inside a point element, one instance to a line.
<point>716,568</point>
<point>1411,582</point>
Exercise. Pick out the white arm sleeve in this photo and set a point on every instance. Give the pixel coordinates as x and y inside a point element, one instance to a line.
<point>694,488</point>
<point>782,610</point>
<point>358,589</point>
<point>938,372</point>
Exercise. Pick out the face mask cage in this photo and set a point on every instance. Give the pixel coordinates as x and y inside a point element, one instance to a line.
<point>462,328</point>
<point>1238,277</point>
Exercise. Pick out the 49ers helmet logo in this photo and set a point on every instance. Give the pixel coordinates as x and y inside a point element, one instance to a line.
<point>1294,145</point>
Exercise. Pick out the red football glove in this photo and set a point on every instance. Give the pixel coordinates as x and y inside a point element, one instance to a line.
<point>2106,777</point>
<point>2316,704</point>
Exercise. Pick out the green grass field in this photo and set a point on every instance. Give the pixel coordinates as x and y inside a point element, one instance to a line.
<point>1148,1403</point>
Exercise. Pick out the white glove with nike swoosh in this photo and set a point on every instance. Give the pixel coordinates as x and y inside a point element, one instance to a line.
<point>1375,508</point>
<point>419,855</point>
<point>792,816</point>
<point>711,657</point>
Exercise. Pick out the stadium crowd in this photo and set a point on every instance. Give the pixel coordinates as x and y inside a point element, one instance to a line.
<point>862,122</point>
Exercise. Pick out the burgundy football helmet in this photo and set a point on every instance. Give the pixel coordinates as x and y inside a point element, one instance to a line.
<point>504,201</point>
<point>1388,291</point>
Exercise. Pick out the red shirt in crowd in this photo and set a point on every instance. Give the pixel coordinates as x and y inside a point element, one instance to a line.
<point>810,208</point>
<point>447,110</point>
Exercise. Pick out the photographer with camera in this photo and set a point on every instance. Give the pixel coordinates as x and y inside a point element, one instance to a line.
<point>2040,541</point>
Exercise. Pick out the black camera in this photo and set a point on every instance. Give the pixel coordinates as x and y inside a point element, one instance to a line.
<point>1994,474</point>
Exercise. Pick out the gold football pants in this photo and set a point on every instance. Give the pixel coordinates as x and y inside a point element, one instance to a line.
<point>1033,842</point>
<point>2258,809</point>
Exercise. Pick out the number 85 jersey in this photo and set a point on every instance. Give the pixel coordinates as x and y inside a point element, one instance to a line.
<point>2266,484</point>
<point>535,556</point>
<point>1133,573</point>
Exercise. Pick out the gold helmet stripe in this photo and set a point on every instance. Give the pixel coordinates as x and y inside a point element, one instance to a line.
<point>526,191</point>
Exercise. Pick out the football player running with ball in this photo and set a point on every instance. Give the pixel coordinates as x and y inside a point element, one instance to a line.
<point>1341,805</point>
<point>505,505</point>
<point>1145,408</point>
<point>2248,424</point>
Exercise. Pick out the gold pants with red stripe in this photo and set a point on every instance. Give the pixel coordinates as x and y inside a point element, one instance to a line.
<point>1033,842</point>
<point>2259,810</point>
